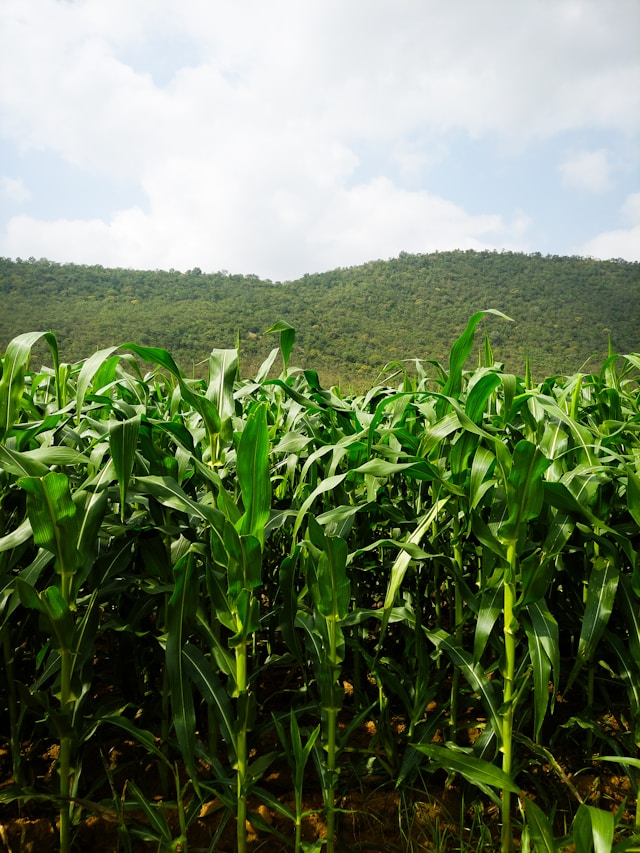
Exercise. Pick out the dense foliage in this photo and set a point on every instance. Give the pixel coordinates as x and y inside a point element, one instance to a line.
<point>349,322</point>
<point>236,572</point>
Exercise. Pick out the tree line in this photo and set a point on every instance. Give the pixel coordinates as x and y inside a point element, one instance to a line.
<point>349,322</point>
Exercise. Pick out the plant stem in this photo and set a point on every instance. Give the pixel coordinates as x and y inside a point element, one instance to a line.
<point>508,676</point>
<point>66,703</point>
<point>455,683</point>
<point>241,748</point>
<point>12,701</point>
<point>332,728</point>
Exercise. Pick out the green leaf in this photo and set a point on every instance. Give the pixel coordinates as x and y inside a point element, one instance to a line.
<point>181,612</point>
<point>287,339</point>
<point>633,494</point>
<point>56,609</point>
<point>14,363</point>
<point>208,683</point>
<point>524,488</point>
<point>540,828</point>
<point>333,582</point>
<point>601,593</point>
<point>88,371</point>
<point>491,604</point>
<point>17,537</point>
<point>480,773</point>
<point>154,355</point>
<point>253,474</point>
<point>162,831</point>
<point>123,442</point>
<point>593,830</point>
<point>460,352</point>
<point>402,561</point>
<point>52,514</point>
<point>473,674</point>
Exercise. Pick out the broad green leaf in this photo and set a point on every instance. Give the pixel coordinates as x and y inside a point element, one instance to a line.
<point>21,464</point>
<point>223,370</point>
<point>540,828</point>
<point>333,582</point>
<point>167,491</point>
<point>480,481</point>
<point>491,603</point>
<point>593,830</point>
<point>601,593</point>
<point>17,537</point>
<point>154,355</point>
<point>479,394</point>
<point>52,514</point>
<point>460,352</point>
<point>473,674</point>
<point>287,339</point>
<point>181,613</point>
<point>14,364</point>
<point>123,442</point>
<point>402,561</point>
<point>252,465</point>
<point>326,485</point>
<point>89,370</point>
<point>480,773</point>
<point>57,611</point>
<point>541,665</point>
<point>381,468</point>
<point>524,488</point>
<point>208,683</point>
<point>633,494</point>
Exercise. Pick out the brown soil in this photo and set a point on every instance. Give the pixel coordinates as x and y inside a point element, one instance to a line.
<point>375,818</point>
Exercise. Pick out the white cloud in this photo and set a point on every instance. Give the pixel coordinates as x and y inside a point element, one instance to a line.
<point>587,170</point>
<point>243,124</point>
<point>621,242</point>
<point>374,220</point>
<point>13,190</point>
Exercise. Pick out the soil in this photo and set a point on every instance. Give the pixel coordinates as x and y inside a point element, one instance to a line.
<point>374,816</point>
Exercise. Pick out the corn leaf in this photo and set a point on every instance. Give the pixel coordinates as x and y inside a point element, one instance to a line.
<point>14,364</point>
<point>123,442</point>
<point>215,695</point>
<point>52,514</point>
<point>524,488</point>
<point>181,612</point>
<point>601,593</point>
<point>540,828</point>
<point>480,773</point>
<point>253,474</point>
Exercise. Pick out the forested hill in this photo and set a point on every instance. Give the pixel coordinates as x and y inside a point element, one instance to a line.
<point>349,322</point>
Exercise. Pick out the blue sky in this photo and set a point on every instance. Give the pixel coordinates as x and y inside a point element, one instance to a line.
<point>285,137</point>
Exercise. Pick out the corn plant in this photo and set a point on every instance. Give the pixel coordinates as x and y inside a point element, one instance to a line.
<point>458,548</point>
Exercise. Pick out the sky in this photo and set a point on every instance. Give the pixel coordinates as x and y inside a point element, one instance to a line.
<point>284,137</point>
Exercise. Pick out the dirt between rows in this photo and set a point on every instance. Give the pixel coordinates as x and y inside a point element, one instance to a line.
<point>437,813</point>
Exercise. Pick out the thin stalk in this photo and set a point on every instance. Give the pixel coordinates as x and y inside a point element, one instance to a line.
<point>241,748</point>
<point>459,615</point>
<point>164,731</point>
<point>332,730</point>
<point>65,769</point>
<point>508,693</point>
<point>12,701</point>
<point>66,702</point>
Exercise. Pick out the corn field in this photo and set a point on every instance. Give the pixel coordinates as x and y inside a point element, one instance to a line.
<point>225,577</point>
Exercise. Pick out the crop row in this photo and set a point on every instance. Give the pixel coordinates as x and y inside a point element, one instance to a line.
<point>203,567</point>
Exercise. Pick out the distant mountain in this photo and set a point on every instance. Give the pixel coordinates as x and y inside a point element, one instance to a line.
<point>349,322</point>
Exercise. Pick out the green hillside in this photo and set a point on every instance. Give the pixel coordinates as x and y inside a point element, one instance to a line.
<point>349,322</point>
